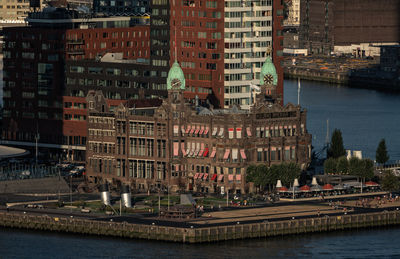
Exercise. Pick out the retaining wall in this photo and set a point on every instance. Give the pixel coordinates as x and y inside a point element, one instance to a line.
<point>199,235</point>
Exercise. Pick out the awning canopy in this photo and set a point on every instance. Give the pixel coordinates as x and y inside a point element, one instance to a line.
<point>305,188</point>
<point>213,152</point>
<point>282,189</point>
<point>220,177</point>
<point>243,154</point>
<point>205,176</point>
<point>248,131</point>
<point>230,177</point>
<point>206,131</point>
<point>214,131</point>
<point>201,130</point>
<point>238,177</point>
<point>187,129</point>
<point>327,187</point>
<point>196,175</point>
<point>205,152</point>
<point>213,177</point>
<point>371,183</point>
<point>226,154</point>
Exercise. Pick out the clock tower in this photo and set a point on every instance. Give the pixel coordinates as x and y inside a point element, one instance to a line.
<point>269,82</point>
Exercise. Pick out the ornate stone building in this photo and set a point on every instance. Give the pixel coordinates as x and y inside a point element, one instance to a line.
<point>179,144</point>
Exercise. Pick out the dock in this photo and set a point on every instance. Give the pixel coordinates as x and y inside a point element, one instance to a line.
<point>252,223</point>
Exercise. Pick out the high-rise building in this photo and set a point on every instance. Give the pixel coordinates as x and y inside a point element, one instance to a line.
<point>51,65</point>
<point>222,44</point>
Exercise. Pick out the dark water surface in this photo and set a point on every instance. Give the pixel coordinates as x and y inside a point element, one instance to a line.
<point>376,243</point>
<point>363,116</point>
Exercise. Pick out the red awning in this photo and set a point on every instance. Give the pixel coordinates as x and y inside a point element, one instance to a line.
<point>213,177</point>
<point>371,183</point>
<point>196,175</point>
<point>205,152</point>
<point>226,155</point>
<point>305,188</point>
<point>201,175</point>
<point>187,129</point>
<point>201,152</point>
<point>238,177</point>
<point>220,177</point>
<point>183,149</point>
<point>327,187</point>
<point>248,132</point>
<point>282,189</point>
<point>201,130</point>
<point>205,176</point>
<point>206,131</point>
<point>230,177</point>
<point>213,153</point>
<point>243,154</point>
<point>197,131</point>
<point>192,130</point>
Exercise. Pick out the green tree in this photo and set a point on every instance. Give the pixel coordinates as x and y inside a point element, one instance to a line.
<point>390,182</point>
<point>368,169</point>
<point>288,172</point>
<point>356,166</point>
<point>330,166</point>
<point>336,148</point>
<point>257,175</point>
<point>342,165</point>
<point>381,153</point>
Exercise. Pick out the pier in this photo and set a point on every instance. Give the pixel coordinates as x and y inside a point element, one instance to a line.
<point>198,233</point>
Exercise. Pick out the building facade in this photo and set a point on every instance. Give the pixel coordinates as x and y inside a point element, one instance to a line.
<point>187,147</point>
<point>50,66</point>
<point>332,25</point>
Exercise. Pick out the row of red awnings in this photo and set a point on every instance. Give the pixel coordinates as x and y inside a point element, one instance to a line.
<point>195,129</point>
<point>204,176</point>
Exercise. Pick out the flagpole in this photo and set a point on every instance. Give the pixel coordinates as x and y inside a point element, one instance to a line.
<point>298,91</point>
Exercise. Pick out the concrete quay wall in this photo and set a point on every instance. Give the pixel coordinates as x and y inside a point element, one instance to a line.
<point>202,234</point>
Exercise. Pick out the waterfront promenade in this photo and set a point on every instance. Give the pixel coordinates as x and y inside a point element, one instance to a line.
<point>234,223</point>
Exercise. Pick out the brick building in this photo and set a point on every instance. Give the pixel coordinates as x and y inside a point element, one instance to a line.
<point>44,90</point>
<point>335,25</point>
<point>186,146</point>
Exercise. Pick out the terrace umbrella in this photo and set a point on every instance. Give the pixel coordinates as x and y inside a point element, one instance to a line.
<point>327,187</point>
<point>294,189</point>
<point>339,187</point>
<point>371,184</point>
<point>282,189</point>
<point>316,188</point>
<point>305,188</point>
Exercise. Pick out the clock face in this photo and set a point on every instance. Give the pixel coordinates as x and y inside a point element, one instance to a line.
<point>176,84</point>
<point>268,79</point>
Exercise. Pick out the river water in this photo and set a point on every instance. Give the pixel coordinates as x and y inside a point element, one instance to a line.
<point>372,243</point>
<point>364,117</point>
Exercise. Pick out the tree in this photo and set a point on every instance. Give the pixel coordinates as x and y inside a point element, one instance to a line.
<point>381,153</point>
<point>336,148</point>
<point>258,175</point>
<point>288,172</point>
<point>390,182</point>
<point>356,166</point>
<point>342,165</point>
<point>330,166</point>
<point>368,169</point>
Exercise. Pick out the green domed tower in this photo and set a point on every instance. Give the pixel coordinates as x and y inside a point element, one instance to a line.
<point>176,78</point>
<point>268,73</point>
